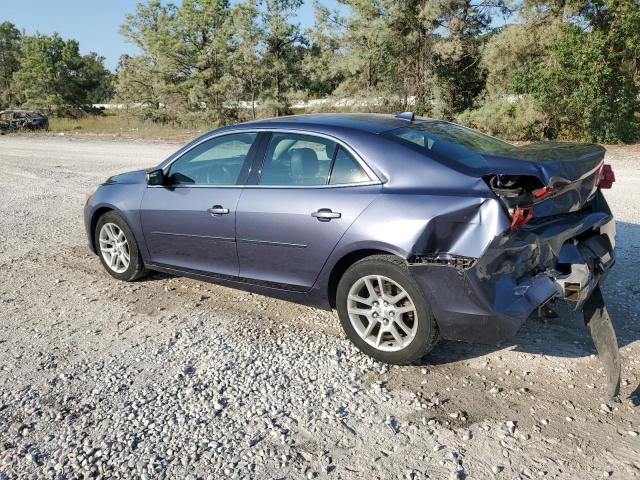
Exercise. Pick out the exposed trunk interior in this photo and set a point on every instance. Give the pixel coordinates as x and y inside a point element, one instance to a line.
<point>545,179</point>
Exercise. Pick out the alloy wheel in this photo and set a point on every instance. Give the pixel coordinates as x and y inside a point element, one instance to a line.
<point>382,313</point>
<point>114,247</point>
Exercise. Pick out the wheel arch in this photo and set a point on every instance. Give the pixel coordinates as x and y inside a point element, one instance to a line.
<point>97,213</point>
<point>343,264</point>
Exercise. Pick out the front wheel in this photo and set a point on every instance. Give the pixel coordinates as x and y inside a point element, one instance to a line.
<point>118,249</point>
<point>384,312</point>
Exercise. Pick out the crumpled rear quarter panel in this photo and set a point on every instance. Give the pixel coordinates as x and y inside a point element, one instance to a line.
<point>488,302</point>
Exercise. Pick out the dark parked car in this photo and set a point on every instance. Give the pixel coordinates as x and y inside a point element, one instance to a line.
<point>11,120</point>
<point>413,229</point>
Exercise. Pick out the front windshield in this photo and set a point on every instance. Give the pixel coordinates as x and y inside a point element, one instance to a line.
<point>449,142</point>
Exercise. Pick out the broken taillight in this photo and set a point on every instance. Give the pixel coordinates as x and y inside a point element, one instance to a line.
<point>521,215</point>
<point>605,176</point>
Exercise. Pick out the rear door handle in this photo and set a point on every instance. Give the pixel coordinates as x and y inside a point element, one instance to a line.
<point>325,214</point>
<point>218,210</point>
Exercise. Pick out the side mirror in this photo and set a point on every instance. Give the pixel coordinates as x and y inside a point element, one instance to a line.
<point>156,177</point>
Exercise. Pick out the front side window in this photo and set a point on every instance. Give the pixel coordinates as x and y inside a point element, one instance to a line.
<point>217,161</point>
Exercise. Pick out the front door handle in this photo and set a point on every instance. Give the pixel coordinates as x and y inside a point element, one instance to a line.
<point>326,214</point>
<point>218,210</point>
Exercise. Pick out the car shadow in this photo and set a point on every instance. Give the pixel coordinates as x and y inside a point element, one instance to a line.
<point>155,276</point>
<point>567,336</point>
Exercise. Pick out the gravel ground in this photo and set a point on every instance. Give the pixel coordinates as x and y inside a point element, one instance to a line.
<point>173,378</point>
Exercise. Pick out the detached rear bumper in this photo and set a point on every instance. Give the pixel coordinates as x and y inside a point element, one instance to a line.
<point>564,257</point>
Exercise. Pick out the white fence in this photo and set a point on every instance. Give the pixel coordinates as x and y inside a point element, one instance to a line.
<point>298,104</point>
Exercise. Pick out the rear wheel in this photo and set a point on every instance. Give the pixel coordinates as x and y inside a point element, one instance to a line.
<point>384,312</point>
<point>118,249</point>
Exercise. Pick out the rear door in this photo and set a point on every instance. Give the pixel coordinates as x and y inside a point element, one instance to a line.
<point>307,192</point>
<point>190,222</point>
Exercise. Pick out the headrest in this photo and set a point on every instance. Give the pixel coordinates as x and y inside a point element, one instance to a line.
<point>304,163</point>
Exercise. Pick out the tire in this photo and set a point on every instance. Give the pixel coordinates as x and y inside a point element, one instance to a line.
<point>114,223</point>
<point>419,333</point>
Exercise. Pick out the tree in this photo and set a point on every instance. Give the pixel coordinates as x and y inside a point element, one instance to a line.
<point>589,85</point>
<point>597,79</point>
<point>282,53</point>
<point>323,67</point>
<point>136,81</point>
<point>360,55</point>
<point>246,60</point>
<point>563,68</point>
<point>424,53</point>
<point>10,40</point>
<point>510,57</point>
<point>186,52</point>
<point>457,58</point>
<point>54,76</point>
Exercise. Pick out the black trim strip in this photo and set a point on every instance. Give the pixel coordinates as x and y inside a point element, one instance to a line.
<point>224,239</point>
<point>230,278</point>
<point>277,244</point>
<point>250,159</point>
<point>333,162</point>
<point>258,158</point>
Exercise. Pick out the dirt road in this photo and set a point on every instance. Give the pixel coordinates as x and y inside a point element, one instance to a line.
<point>174,378</point>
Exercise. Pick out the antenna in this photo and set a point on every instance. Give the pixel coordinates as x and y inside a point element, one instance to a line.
<point>410,116</point>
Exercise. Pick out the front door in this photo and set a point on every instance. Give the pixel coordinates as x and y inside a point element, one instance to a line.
<point>309,192</point>
<point>190,222</point>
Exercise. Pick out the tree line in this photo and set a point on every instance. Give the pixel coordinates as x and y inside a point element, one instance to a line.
<point>519,69</point>
<point>47,73</point>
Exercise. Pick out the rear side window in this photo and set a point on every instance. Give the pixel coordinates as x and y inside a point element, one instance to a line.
<point>217,161</point>
<point>297,160</point>
<point>346,170</point>
<point>305,160</point>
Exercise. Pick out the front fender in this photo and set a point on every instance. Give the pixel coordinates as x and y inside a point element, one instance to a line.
<point>124,199</point>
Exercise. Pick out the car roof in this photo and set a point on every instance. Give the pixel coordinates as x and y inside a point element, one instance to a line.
<point>364,122</point>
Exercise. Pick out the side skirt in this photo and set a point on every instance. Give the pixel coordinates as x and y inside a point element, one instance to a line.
<point>281,291</point>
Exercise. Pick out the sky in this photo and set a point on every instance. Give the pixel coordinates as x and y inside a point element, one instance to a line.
<point>94,23</point>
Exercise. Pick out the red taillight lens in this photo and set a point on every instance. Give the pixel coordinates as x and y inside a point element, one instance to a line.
<point>605,176</point>
<point>543,192</point>
<point>521,215</point>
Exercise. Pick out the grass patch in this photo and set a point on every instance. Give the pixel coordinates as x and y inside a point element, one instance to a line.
<point>120,124</point>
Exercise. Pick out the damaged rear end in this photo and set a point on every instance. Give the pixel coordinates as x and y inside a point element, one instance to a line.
<point>554,237</point>
<point>561,225</point>
<point>557,243</point>
<point>562,236</point>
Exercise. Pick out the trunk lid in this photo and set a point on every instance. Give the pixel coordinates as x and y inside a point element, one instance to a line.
<point>549,178</point>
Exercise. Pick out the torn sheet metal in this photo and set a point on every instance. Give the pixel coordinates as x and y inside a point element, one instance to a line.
<point>598,322</point>
<point>550,178</point>
<point>563,257</point>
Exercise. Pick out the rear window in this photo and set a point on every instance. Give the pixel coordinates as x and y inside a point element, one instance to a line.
<point>449,143</point>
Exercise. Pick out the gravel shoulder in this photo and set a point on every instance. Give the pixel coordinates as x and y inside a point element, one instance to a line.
<point>174,378</point>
